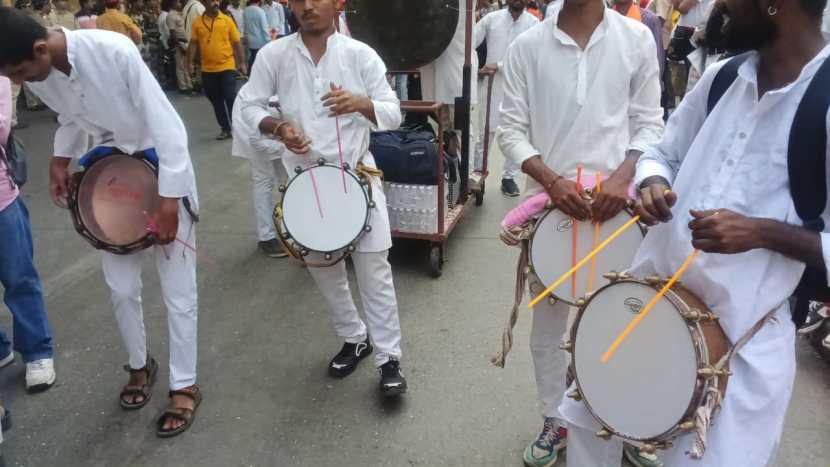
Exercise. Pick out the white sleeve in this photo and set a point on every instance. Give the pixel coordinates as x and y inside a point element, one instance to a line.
<point>386,103</point>
<point>664,159</point>
<point>71,140</point>
<point>513,132</point>
<point>261,85</point>
<point>644,112</point>
<point>166,129</point>
<point>825,236</point>
<point>481,31</point>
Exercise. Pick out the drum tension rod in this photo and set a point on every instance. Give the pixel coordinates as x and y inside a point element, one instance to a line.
<point>696,315</point>
<point>567,346</point>
<point>575,395</point>
<point>708,372</point>
<point>688,425</point>
<point>615,276</point>
<point>604,434</point>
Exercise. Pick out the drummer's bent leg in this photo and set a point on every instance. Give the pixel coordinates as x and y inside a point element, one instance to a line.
<point>176,266</point>
<point>333,284</point>
<point>123,276</point>
<point>263,176</point>
<point>550,363</point>
<point>586,449</point>
<point>380,304</point>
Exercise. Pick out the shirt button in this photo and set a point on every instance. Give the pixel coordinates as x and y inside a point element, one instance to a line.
<point>742,135</point>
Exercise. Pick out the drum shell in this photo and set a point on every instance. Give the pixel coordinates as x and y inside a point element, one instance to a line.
<point>710,345</point>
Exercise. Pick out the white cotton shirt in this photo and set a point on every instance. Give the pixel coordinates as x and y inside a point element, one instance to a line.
<point>164,30</point>
<point>111,95</point>
<point>499,29</point>
<point>192,10</point>
<point>276,17</point>
<point>442,80</point>
<point>735,159</point>
<point>238,15</point>
<point>285,68</point>
<point>248,142</point>
<point>580,107</point>
<point>697,15</point>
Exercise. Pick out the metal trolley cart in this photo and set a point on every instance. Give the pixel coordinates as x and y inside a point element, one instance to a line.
<point>404,37</point>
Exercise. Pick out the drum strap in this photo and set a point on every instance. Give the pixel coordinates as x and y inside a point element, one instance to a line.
<point>713,397</point>
<point>515,236</point>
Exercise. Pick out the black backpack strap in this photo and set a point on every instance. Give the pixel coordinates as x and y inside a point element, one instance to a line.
<point>807,152</point>
<point>723,80</point>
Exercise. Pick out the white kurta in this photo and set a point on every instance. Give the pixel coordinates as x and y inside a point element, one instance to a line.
<point>441,80</point>
<point>734,159</point>
<point>574,106</point>
<point>111,95</point>
<point>288,71</point>
<point>499,29</point>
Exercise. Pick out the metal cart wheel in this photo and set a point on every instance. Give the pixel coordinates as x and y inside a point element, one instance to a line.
<point>436,260</point>
<point>480,194</point>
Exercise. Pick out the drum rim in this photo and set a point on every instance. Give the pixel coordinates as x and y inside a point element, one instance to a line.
<point>701,355</point>
<point>366,196</point>
<point>642,227</point>
<point>77,219</point>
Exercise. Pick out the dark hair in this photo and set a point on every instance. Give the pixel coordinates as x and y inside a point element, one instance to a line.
<point>167,5</point>
<point>814,8</point>
<point>18,34</point>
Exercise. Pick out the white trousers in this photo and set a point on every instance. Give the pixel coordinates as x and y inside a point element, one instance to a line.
<point>266,174</point>
<point>510,169</point>
<point>550,363</point>
<point>176,267</point>
<point>377,293</point>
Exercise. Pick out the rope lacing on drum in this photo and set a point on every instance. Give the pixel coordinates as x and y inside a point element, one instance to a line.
<point>713,396</point>
<point>514,236</point>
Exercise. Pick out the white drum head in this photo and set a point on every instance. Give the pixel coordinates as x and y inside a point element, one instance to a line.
<point>646,387</point>
<point>551,251</point>
<point>340,218</point>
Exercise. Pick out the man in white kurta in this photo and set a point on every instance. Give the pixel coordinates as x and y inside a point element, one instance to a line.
<point>733,162</point>
<point>103,89</point>
<point>500,28</point>
<point>597,106</point>
<point>287,68</point>
<point>267,171</point>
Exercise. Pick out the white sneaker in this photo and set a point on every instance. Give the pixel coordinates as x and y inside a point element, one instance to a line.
<point>7,360</point>
<point>40,375</point>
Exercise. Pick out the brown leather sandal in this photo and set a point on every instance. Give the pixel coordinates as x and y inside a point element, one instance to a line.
<point>150,369</point>
<point>183,414</point>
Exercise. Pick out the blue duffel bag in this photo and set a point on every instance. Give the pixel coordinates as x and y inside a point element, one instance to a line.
<point>406,156</point>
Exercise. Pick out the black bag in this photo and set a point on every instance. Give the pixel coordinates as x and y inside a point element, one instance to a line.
<point>14,155</point>
<point>806,163</point>
<point>406,156</point>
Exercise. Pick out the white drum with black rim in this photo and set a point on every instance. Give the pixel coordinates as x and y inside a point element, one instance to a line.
<point>325,209</point>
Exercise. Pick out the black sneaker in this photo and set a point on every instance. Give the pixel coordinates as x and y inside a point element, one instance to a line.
<point>345,362</point>
<point>509,187</point>
<point>223,135</point>
<point>392,382</point>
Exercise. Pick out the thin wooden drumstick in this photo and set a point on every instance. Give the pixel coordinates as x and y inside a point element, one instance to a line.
<point>575,232</point>
<point>595,240</point>
<point>647,309</point>
<point>340,152</point>
<point>584,261</point>
<point>316,192</point>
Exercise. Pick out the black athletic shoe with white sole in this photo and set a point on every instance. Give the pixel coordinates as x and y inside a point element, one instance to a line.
<point>345,362</point>
<point>392,382</point>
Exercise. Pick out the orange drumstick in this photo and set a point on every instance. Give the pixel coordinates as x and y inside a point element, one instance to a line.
<point>595,241</point>
<point>575,232</point>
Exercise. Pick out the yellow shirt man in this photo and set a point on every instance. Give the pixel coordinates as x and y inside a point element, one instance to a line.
<point>216,38</point>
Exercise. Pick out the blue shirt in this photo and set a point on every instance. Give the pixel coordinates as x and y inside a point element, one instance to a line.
<point>256,27</point>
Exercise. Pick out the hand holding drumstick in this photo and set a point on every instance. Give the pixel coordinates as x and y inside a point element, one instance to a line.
<point>655,200</point>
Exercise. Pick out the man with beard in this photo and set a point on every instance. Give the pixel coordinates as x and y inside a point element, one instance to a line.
<point>580,89</point>
<point>500,29</point>
<point>319,74</point>
<point>720,182</point>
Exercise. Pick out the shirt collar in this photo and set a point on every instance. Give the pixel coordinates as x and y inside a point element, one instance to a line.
<point>565,39</point>
<point>330,43</point>
<point>748,71</point>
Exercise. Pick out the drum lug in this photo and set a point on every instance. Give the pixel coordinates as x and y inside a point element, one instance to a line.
<point>282,188</point>
<point>654,280</point>
<point>604,434</point>
<point>526,270</point>
<point>552,300</point>
<point>304,252</point>
<point>368,228</point>
<point>648,448</point>
<point>688,425</point>
<point>575,395</point>
<point>695,314</point>
<point>321,162</point>
<point>580,302</point>
<point>708,372</point>
<point>350,248</point>
<point>327,256</point>
<point>346,166</point>
<point>567,346</point>
<point>372,205</point>
<point>298,170</point>
<point>614,276</point>
<point>363,180</point>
